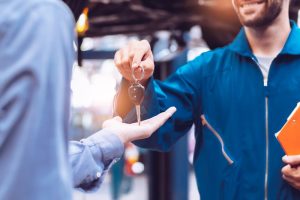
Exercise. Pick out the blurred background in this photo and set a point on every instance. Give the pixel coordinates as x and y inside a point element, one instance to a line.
<point>178,31</point>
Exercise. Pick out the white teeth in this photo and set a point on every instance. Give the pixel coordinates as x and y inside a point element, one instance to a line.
<point>249,4</point>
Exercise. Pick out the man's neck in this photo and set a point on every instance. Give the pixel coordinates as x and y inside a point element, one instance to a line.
<point>269,41</point>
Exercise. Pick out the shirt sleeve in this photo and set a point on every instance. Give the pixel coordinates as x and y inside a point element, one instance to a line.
<point>92,157</point>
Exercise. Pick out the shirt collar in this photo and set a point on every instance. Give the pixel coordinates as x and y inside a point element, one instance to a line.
<point>241,46</point>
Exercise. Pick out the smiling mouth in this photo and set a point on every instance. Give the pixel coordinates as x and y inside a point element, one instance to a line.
<point>246,4</point>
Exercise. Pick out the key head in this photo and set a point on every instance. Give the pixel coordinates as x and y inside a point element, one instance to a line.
<point>136,93</point>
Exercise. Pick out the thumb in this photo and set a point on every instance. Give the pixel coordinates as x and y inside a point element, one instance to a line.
<point>292,160</point>
<point>118,118</point>
<point>111,122</point>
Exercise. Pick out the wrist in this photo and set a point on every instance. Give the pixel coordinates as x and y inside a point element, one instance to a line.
<point>122,137</point>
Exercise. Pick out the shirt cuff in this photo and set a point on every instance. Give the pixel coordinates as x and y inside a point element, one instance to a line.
<point>109,144</point>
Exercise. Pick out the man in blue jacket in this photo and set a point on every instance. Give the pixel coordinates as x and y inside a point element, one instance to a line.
<point>238,97</point>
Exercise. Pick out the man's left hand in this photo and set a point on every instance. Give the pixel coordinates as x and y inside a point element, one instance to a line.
<point>291,172</point>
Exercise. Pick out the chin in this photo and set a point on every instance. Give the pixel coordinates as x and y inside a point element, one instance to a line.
<point>254,23</point>
<point>261,17</point>
<point>260,21</point>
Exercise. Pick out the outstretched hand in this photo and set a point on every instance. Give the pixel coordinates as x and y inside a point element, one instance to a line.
<point>130,132</point>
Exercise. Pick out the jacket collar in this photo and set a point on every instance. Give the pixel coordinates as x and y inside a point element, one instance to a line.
<point>241,46</point>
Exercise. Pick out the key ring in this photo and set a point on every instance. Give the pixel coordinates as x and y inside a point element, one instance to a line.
<point>142,75</point>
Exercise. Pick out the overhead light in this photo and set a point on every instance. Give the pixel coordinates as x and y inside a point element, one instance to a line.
<point>82,24</point>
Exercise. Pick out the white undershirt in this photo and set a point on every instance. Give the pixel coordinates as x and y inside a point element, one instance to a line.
<point>264,65</point>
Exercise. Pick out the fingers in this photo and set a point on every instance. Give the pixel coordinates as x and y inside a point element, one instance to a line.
<point>149,126</point>
<point>293,173</point>
<point>292,160</point>
<point>158,120</point>
<point>293,181</point>
<point>122,62</point>
<point>132,56</point>
<point>286,171</point>
<point>118,62</point>
<point>289,180</point>
<point>292,169</point>
<point>148,66</point>
<point>171,110</point>
<point>139,53</point>
<point>131,132</point>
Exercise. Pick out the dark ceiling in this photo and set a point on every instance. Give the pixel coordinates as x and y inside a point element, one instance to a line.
<point>144,17</point>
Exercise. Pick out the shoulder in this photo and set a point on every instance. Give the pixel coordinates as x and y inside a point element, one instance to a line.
<point>212,61</point>
<point>52,7</point>
<point>211,57</point>
<point>16,11</point>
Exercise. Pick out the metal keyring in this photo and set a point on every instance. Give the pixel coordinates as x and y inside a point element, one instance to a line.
<point>142,75</point>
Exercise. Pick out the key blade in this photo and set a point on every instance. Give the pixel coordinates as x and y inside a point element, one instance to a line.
<point>138,114</point>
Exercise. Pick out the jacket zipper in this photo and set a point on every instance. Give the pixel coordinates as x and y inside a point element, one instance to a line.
<point>267,148</point>
<point>267,139</point>
<point>226,156</point>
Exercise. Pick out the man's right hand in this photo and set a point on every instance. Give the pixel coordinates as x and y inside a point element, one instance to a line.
<point>134,55</point>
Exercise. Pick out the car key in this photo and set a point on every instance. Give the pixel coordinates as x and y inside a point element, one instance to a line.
<point>136,94</point>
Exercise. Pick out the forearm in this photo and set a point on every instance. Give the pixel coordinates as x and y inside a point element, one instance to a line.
<point>122,103</point>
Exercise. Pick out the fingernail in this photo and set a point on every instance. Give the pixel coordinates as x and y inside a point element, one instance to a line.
<point>172,110</point>
<point>285,159</point>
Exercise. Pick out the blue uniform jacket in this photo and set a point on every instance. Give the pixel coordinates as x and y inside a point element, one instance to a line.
<point>222,92</point>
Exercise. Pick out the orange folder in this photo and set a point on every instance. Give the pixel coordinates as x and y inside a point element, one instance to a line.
<point>289,135</point>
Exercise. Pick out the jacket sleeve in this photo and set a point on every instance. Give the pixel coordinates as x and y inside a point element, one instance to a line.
<point>182,90</point>
<point>92,157</point>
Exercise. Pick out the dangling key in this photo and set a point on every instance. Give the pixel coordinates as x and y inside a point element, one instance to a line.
<point>136,93</point>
